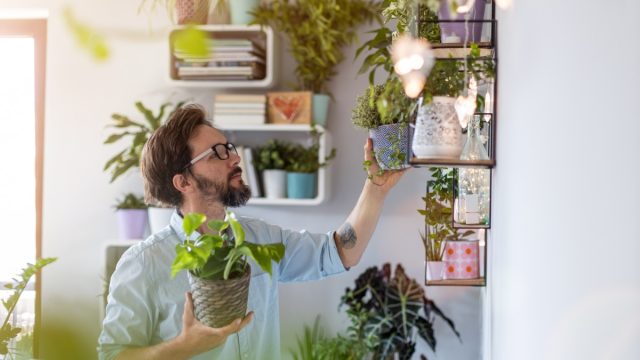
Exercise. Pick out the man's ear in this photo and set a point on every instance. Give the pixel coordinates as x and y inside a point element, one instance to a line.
<point>181,183</point>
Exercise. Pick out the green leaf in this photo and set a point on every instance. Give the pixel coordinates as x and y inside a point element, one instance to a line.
<point>184,260</point>
<point>238,231</point>
<point>192,221</point>
<point>264,254</point>
<point>115,137</point>
<point>218,225</point>
<point>191,41</point>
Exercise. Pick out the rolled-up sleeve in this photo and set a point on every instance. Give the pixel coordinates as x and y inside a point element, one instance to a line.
<point>308,256</point>
<point>129,318</point>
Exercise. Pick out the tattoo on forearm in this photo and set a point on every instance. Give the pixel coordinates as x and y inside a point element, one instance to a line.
<point>347,236</point>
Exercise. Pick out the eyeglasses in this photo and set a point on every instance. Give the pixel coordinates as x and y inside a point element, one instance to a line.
<point>221,151</point>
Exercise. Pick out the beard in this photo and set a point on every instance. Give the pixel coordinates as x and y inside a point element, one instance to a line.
<point>223,191</point>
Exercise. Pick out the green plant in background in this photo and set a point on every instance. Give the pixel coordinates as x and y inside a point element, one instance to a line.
<point>355,344</point>
<point>307,345</point>
<point>365,114</point>
<point>428,28</point>
<point>317,31</point>
<point>7,331</point>
<point>218,256</point>
<point>272,155</point>
<point>438,213</point>
<point>302,159</point>
<point>138,132</point>
<point>396,311</point>
<point>130,201</point>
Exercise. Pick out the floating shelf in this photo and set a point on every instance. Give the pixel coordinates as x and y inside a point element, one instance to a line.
<point>303,202</point>
<point>269,127</point>
<point>465,282</point>
<point>451,163</point>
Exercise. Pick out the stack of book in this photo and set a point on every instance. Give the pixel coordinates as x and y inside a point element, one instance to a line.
<point>249,172</point>
<point>228,59</point>
<point>235,109</point>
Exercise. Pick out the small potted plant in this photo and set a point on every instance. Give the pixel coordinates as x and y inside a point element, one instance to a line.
<point>138,132</point>
<point>271,162</point>
<point>302,169</point>
<point>218,267</point>
<point>434,248</point>
<point>132,217</point>
<point>317,31</point>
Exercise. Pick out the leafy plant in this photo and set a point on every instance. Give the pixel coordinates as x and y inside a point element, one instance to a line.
<point>217,255</point>
<point>131,201</point>
<point>7,331</point>
<point>307,346</point>
<point>396,310</point>
<point>438,214</point>
<point>317,31</point>
<point>272,155</point>
<point>365,114</point>
<point>304,159</point>
<point>138,132</point>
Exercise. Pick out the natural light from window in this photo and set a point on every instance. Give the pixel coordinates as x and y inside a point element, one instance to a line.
<point>17,155</point>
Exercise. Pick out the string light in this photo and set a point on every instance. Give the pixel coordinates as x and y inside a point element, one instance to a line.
<point>412,60</point>
<point>466,105</point>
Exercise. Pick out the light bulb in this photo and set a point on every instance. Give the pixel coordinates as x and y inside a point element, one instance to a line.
<point>412,61</point>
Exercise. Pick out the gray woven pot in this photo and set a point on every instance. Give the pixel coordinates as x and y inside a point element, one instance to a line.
<point>218,302</point>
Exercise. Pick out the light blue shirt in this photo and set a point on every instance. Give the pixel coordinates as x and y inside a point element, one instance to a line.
<point>145,305</point>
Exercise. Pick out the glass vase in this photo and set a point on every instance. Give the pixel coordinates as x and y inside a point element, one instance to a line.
<point>473,183</point>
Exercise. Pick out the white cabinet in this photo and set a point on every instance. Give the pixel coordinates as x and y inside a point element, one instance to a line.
<point>262,36</point>
<point>256,135</point>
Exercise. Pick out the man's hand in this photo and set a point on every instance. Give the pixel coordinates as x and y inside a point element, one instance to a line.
<point>197,338</point>
<point>388,179</point>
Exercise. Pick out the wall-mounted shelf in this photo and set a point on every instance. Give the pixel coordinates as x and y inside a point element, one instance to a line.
<point>264,36</point>
<point>451,163</point>
<point>255,135</point>
<point>465,282</point>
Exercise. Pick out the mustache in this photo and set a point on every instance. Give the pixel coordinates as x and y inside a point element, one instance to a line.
<point>237,170</point>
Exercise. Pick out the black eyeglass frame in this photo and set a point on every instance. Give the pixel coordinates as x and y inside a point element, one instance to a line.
<point>227,148</point>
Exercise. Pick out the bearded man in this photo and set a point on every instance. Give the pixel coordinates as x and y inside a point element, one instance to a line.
<point>191,166</point>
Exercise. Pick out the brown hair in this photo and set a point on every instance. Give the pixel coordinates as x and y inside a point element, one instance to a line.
<point>167,152</point>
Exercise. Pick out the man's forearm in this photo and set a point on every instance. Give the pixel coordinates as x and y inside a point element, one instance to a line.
<point>354,235</point>
<point>171,349</point>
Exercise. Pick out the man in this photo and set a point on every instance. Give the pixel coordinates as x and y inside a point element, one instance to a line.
<point>191,166</point>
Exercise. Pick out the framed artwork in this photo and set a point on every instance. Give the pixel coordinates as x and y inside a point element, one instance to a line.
<point>289,107</point>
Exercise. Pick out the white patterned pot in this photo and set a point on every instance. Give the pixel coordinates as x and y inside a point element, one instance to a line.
<point>438,134</point>
<point>390,142</point>
<point>462,259</point>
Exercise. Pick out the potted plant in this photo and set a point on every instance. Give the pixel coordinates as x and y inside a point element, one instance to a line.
<point>132,217</point>
<point>392,311</point>
<point>270,161</point>
<point>302,168</point>
<point>218,266</point>
<point>317,31</point>
<point>8,330</point>
<point>181,12</point>
<point>442,241</point>
<point>138,132</point>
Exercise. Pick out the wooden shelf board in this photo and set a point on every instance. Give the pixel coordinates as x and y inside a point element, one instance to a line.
<point>465,282</point>
<point>296,202</point>
<point>269,127</point>
<point>452,163</point>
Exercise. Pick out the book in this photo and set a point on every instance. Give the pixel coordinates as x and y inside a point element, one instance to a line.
<point>234,119</point>
<point>238,111</point>
<point>238,105</point>
<point>240,98</point>
<point>252,174</point>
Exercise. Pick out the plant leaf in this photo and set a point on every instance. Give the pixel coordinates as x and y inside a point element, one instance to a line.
<point>238,231</point>
<point>192,221</point>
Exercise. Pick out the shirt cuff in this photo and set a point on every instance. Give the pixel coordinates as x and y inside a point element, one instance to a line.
<point>331,262</point>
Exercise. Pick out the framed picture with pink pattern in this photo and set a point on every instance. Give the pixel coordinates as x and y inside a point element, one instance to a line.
<point>292,107</point>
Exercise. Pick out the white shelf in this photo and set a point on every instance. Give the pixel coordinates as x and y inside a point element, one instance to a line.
<point>290,129</point>
<point>237,32</point>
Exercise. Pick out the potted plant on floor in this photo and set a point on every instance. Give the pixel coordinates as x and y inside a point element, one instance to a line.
<point>132,217</point>
<point>218,267</point>
<point>138,132</point>
<point>302,168</point>
<point>270,161</point>
<point>317,31</point>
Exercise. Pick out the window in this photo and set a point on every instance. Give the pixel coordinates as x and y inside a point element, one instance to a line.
<point>22,45</point>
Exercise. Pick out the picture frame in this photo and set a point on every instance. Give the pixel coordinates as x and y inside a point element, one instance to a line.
<point>293,107</point>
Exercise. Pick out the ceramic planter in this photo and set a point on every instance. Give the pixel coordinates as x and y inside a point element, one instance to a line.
<point>320,109</point>
<point>132,223</point>
<point>192,11</point>
<point>438,134</point>
<point>239,10</point>
<point>159,218</point>
<point>275,184</point>
<point>461,259</point>
<point>301,185</point>
<point>435,270</point>
<point>384,137</point>
<point>452,30</point>
<point>218,302</point>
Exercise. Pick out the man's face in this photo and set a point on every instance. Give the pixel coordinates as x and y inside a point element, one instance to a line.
<point>217,180</point>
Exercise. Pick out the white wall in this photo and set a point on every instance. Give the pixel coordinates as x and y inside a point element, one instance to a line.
<point>566,283</point>
<point>78,214</point>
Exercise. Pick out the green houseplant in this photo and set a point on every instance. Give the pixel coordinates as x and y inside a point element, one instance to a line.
<point>317,31</point>
<point>271,161</point>
<point>132,216</point>
<point>218,266</point>
<point>7,331</point>
<point>138,132</point>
